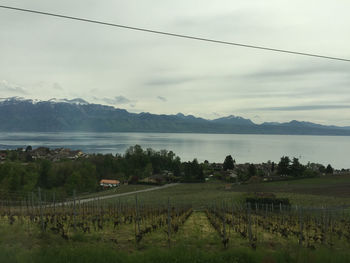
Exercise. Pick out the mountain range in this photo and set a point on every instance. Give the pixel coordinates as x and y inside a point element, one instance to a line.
<point>58,115</point>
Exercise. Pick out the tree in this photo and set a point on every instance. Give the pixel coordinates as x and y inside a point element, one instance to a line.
<point>193,172</point>
<point>44,174</point>
<point>15,179</point>
<point>329,169</point>
<point>251,170</point>
<point>74,182</point>
<point>296,168</point>
<point>29,157</point>
<point>229,163</point>
<point>242,175</point>
<point>198,170</point>
<point>148,171</point>
<point>29,148</point>
<point>283,167</point>
<point>13,156</point>
<point>322,169</point>
<point>176,166</point>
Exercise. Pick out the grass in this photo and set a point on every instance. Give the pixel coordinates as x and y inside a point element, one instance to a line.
<point>103,254</point>
<point>331,185</point>
<point>199,195</point>
<point>326,191</point>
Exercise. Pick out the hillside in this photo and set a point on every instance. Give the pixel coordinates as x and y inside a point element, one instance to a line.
<point>23,115</point>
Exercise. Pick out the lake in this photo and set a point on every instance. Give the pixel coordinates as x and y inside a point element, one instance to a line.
<point>212,147</point>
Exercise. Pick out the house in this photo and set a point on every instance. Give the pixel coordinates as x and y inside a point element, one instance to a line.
<point>231,174</point>
<point>167,173</point>
<point>217,166</point>
<point>75,154</point>
<point>40,153</point>
<point>3,156</point>
<point>105,183</point>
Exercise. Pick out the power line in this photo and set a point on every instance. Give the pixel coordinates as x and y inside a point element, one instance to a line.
<point>174,34</point>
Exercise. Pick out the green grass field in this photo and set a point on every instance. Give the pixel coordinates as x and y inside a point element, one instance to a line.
<point>326,191</point>
<point>331,185</point>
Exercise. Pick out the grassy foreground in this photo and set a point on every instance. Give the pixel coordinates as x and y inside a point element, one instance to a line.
<point>108,254</point>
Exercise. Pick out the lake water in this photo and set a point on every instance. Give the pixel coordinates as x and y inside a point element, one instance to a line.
<point>212,147</point>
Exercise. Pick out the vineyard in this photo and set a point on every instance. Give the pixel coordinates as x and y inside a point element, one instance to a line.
<point>138,224</point>
<point>119,223</point>
<point>259,224</point>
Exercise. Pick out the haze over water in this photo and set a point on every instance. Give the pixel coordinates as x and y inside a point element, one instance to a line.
<point>212,147</point>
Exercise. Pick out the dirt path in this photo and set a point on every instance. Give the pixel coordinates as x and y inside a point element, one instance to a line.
<point>198,231</point>
<point>91,199</point>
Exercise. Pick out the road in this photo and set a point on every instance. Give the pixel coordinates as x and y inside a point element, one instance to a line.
<point>122,194</point>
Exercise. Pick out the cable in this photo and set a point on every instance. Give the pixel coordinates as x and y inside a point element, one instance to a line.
<point>174,34</point>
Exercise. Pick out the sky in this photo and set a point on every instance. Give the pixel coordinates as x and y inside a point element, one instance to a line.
<point>44,57</point>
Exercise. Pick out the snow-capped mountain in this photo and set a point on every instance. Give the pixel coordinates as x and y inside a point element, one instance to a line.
<point>25,115</point>
<point>78,101</point>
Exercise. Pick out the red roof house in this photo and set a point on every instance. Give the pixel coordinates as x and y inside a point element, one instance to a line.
<point>109,183</point>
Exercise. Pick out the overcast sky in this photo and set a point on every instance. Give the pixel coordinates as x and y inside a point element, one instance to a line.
<point>44,57</point>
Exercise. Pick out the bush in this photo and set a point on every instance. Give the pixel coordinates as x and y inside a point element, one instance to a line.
<point>268,200</point>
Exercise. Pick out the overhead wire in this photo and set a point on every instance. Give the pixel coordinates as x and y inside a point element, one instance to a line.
<point>170,34</point>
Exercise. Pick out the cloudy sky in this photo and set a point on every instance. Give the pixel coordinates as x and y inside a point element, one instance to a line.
<point>44,57</point>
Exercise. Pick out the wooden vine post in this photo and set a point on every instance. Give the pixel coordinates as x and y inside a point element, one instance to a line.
<point>169,223</point>
<point>41,210</point>
<point>224,234</point>
<point>301,226</point>
<point>74,212</point>
<point>250,225</point>
<point>138,236</point>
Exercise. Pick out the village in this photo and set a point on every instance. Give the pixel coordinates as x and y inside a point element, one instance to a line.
<point>29,154</point>
<point>228,171</point>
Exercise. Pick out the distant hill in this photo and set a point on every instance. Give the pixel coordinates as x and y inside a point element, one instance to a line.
<point>23,115</point>
<point>233,120</point>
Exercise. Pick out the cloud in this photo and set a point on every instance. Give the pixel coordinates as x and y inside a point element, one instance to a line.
<point>169,81</point>
<point>94,90</point>
<point>121,100</point>
<point>301,70</point>
<point>11,87</point>
<point>303,108</point>
<point>162,98</point>
<point>57,86</point>
<point>117,100</point>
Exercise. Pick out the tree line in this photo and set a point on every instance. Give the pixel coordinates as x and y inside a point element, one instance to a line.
<point>84,174</point>
<point>286,167</point>
<point>20,173</point>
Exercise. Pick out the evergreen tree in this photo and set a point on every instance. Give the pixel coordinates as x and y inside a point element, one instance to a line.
<point>296,168</point>
<point>229,163</point>
<point>251,170</point>
<point>283,167</point>
<point>329,169</point>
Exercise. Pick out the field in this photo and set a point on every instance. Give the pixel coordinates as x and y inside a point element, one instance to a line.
<point>325,191</point>
<point>207,222</point>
